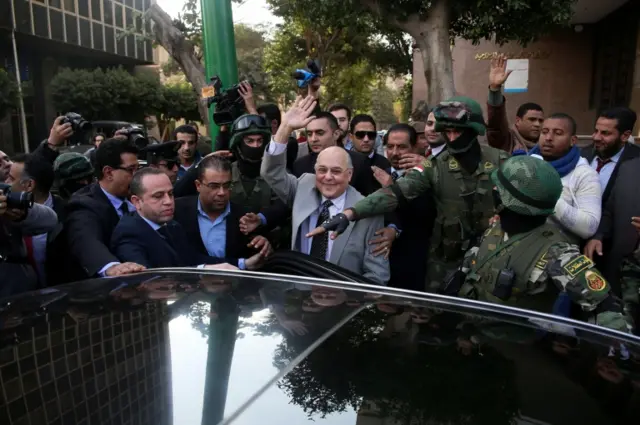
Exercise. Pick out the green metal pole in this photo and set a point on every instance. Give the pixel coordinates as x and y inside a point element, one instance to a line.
<point>219,47</point>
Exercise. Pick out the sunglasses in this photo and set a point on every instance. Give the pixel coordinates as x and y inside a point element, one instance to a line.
<point>171,164</point>
<point>362,134</point>
<point>248,121</point>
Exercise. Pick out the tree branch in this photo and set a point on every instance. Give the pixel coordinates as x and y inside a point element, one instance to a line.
<point>181,50</point>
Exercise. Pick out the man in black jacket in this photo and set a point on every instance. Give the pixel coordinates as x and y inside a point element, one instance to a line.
<point>152,238</point>
<point>322,133</point>
<point>610,148</point>
<point>94,212</point>
<point>211,222</point>
<point>363,134</point>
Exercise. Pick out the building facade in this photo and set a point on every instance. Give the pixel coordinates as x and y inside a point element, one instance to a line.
<point>51,34</point>
<point>581,70</point>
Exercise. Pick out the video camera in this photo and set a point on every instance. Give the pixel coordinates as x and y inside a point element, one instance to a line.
<point>17,200</point>
<point>79,125</point>
<point>136,135</point>
<point>306,76</point>
<point>229,103</point>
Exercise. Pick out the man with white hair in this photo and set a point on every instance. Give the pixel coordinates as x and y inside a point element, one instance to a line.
<point>318,197</point>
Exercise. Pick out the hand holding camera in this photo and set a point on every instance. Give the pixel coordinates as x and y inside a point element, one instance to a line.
<point>13,205</point>
<point>61,130</point>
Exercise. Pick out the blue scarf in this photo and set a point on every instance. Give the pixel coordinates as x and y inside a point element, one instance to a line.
<point>563,165</point>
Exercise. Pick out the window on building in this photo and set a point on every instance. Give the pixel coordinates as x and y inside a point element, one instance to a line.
<point>83,8</point>
<point>40,24</point>
<point>85,33</point>
<point>23,16</point>
<point>57,27</point>
<point>71,24</point>
<point>138,5</point>
<point>128,2</point>
<point>107,7</point>
<point>95,10</point>
<point>98,38</point>
<point>55,3</point>
<point>119,22</point>
<point>109,40</point>
<point>131,46</point>
<point>120,45</point>
<point>129,17</point>
<point>70,6</point>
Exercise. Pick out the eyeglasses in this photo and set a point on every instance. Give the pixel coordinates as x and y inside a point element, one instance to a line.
<point>248,121</point>
<point>362,134</point>
<point>132,169</point>
<point>226,186</point>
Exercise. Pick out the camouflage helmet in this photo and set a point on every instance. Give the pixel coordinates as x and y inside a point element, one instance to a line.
<point>460,112</point>
<point>247,125</point>
<point>72,166</point>
<point>528,185</point>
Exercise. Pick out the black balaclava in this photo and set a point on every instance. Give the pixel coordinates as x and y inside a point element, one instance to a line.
<point>249,159</point>
<point>466,150</point>
<point>514,223</point>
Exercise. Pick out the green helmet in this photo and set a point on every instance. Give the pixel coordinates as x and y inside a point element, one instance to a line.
<point>528,185</point>
<point>460,112</point>
<point>72,166</point>
<point>248,125</point>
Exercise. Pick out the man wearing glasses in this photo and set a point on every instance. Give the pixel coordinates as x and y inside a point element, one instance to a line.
<point>94,211</point>
<point>211,220</point>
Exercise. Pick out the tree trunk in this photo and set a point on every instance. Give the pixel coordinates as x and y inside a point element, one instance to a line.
<point>435,47</point>
<point>182,51</point>
<point>432,37</point>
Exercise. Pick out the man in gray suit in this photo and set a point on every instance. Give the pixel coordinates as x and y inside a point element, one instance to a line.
<point>316,198</point>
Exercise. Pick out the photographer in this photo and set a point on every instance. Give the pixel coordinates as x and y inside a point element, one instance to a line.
<point>17,220</point>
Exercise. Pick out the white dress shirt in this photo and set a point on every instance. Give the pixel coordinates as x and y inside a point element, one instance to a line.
<point>310,223</point>
<point>607,169</point>
<point>435,151</point>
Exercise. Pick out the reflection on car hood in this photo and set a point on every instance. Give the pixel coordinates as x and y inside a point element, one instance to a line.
<point>184,347</point>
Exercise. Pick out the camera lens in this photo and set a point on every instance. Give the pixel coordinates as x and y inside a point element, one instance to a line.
<point>84,125</point>
<point>20,200</point>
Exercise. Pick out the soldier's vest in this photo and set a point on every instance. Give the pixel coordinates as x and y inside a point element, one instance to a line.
<point>257,199</point>
<point>464,202</point>
<point>521,256</point>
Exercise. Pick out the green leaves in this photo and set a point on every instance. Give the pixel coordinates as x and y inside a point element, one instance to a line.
<point>115,94</point>
<point>8,92</point>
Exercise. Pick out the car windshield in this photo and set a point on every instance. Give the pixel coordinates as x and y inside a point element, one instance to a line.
<point>191,348</point>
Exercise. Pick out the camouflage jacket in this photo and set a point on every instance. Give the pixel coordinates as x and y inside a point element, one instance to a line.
<point>566,269</point>
<point>464,201</point>
<point>630,280</point>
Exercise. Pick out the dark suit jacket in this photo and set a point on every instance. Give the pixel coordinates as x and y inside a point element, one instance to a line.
<point>380,162</point>
<point>619,238</point>
<point>90,222</point>
<point>362,173</point>
<point>631,151</point>
<point>236,242</point>
<point>134,240</point>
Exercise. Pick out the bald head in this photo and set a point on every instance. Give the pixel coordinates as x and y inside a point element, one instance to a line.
<point>334,170</point>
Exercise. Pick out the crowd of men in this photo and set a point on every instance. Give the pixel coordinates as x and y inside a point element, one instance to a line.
<point>527,219</point>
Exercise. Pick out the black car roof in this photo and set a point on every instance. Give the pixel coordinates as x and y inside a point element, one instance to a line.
<point>188,346</point>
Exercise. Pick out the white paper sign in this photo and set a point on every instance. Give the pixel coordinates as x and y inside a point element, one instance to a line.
<point>518,81</point>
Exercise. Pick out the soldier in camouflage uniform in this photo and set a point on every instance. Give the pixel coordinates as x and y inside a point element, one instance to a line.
<point>525,262</point>
<point>459,181</point>
<point>73,171</point>
<point>630,284</point>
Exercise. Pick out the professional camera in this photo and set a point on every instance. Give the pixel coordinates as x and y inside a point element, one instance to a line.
<point>17,200</point>
<point>306,76</point>
<point>229,103</point>
<point>78,124</point>
<point>137,136</point>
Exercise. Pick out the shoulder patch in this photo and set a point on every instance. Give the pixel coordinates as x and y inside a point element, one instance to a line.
<point>542,262</point>
<point>578,265</point>
<point>453,164</point>
<point>425,164</point>
<point>488,166</point>
<point>595,281</point>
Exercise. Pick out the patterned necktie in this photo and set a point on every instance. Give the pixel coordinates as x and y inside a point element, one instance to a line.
<point>601,163</point>
<point>320,243</point>
<point>394,175</point>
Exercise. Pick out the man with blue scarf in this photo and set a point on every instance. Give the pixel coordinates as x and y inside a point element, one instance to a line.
<point>579,209</point>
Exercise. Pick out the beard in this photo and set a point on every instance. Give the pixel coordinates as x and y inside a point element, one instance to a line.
<point>611,150</point>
